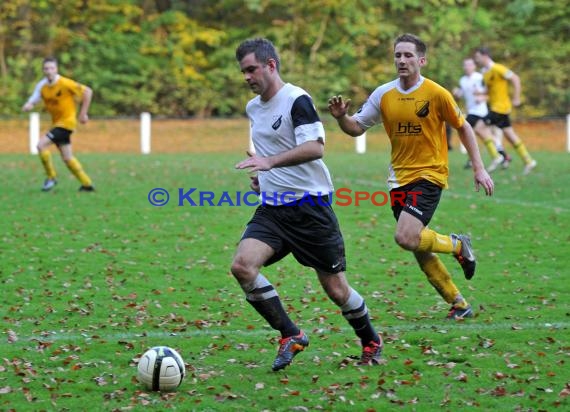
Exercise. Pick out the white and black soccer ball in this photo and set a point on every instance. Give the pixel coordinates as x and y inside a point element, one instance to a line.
<point>161,369</point>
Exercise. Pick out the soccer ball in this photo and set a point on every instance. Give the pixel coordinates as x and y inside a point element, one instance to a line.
<point>161,369</point>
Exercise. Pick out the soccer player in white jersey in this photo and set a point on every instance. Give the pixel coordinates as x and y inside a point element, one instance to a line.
<point>472,90</point>
<point>295,214</point>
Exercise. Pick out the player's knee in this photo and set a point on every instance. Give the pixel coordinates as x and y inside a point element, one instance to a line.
<point>339,296</point>
<point>406,241</point>
<point>241,270</point>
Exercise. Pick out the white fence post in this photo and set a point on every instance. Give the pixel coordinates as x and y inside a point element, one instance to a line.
<point>361,143</point>
<point>34,132</point>
<point>145,133</point>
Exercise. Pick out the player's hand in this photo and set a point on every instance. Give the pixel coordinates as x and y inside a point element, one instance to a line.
<point>27,107</point>
<point>255,163</point>
<point>516,102</point>
<point>83,118</point>
<point>254,184</point>
<point>338,107</point>
<point>482,178</point>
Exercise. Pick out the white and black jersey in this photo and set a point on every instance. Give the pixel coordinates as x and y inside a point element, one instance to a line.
<point>286,121</point>
<point>471,86</point>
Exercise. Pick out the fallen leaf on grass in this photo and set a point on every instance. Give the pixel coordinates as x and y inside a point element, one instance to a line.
<point>462,377</point>
<point>499,391</point>
<point>565,392</point>
<point>499,375</point>
<point>100,381</point>
<point>12,337</point>
<point>485,342</point>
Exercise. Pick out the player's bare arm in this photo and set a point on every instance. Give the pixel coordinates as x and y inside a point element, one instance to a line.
<point>338,108</point>
<point>85,103</point>
<point>516,82</point>
<point>254,184</point>
<point>303,153</point>
<point>481,177</point>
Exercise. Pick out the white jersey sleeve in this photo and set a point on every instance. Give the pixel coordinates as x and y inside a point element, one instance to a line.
<point>36,94</point>
<point>369,114</point>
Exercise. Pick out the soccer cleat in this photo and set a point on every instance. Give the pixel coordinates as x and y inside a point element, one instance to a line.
<point>528,168</point>
<point>49,184</point>
<point>86,189</point>
<point>465,257</point>
<point>371,353</point>
<point>497,161</point>
<point>458,313</point>
<point>288,348</point>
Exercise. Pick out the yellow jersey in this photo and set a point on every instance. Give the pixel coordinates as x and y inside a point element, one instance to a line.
<point>414,120</point>
<point>60,100</point>
<point>496,81</point>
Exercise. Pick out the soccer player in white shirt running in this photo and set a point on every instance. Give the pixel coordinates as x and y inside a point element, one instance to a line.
<point>472,90</point>
<point>295,215</point>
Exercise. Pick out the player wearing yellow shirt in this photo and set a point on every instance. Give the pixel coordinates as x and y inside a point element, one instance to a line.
<point>497,78</point>
<point>60,95</point>
<point>414,111</point>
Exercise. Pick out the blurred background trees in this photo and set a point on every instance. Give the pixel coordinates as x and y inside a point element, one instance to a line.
<point>176,58</point>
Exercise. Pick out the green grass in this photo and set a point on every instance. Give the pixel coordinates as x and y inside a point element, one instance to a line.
<point>92,280</point>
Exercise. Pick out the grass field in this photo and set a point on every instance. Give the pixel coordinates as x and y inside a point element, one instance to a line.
<point>92,280</point>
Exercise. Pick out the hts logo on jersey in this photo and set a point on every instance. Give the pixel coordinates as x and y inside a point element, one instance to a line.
<point>409,128</point>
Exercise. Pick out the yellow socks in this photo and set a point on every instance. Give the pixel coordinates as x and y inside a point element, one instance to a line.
<point>75,167</point>
<point>491,148</point>
<point>523,153</point>
<point>45,157</point>
<point>440,279</point>
<point>431,241</point>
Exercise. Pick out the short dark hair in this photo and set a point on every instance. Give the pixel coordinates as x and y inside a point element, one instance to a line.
<point>421,47</point>
<point>49,59</point>
<point>263,50</point>
<point>484,51</point>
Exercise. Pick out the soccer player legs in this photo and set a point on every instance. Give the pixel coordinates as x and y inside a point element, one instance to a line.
<point>61,138</point>
<point>412,234</point>
<point>313,244</point>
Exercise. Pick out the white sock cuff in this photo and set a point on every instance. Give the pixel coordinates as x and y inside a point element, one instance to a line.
<point>353,302</point>
<point>258,283</point>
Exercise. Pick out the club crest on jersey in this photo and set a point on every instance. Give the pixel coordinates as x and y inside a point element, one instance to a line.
<point>422,108</point>
<point>277,123</point>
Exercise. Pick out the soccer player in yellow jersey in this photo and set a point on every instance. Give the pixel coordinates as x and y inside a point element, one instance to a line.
<point>414,110</point>
<point>497,78</point>
<point>60,95</point>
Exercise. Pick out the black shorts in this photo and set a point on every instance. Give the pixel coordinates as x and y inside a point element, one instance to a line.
<point>498,119</point>
<point>421,200</point>
<point>472,119</point>
<point>309,231</point>
<point>60,136</point>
